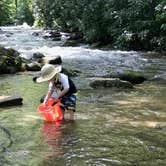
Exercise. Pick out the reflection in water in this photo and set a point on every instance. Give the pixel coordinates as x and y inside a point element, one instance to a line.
<point>52,136</point>
<point>59,137</point>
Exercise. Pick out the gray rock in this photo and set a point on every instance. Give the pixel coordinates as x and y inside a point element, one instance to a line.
<point>10,101</point>
<point>34,66</point>
<point>110,83</point>
<point>36,33</point>
<point>71,72</point>
<point>131,76</point>
<point>51,34</point>
<point>51,60</point>
<point>38,55</point>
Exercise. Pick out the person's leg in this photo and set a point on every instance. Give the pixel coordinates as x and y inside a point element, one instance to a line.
<point>69,103</point>
<point>70,114</point>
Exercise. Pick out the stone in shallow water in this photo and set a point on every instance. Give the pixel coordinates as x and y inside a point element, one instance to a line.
<point>130,76</point>
<point>10,101</point>
<point>109,83</point>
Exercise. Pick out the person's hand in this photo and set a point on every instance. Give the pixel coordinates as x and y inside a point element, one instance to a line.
<point>44,104</point>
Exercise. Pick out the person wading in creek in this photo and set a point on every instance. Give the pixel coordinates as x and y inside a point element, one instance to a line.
<point>63,84</point>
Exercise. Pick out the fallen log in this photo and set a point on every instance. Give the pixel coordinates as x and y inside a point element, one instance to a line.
<point>10,101</point>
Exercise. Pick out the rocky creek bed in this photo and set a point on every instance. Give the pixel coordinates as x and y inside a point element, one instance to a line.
<point>113,126</point>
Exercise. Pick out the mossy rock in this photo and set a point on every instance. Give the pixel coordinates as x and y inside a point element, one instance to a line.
<point>10,61</point>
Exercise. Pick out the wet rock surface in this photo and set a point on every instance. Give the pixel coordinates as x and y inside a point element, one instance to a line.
<point>37,56</point>
<point>110,83</point>
<point>132,77</point>
<point>34,66</point>
<point>56,60</point>
<point>6,101</point>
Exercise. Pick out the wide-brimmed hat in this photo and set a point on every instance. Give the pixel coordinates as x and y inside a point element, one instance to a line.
<point>48,72</point>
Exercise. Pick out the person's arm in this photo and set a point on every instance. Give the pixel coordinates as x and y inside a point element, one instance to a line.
<point>49,93</point>
<point>65,83</point>
<point>62,93</point>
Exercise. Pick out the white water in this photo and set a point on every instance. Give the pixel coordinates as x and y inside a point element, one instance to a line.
<point>102,62</point>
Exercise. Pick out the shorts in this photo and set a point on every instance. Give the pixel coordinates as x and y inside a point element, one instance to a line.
<point>69,102</point>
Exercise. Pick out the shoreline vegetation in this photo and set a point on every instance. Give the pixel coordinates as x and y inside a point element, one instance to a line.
<point>126,25</point>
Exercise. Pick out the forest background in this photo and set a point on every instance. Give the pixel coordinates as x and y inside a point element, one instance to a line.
<point>122,24</point>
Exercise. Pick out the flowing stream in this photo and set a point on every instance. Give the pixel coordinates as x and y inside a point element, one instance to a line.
<point>111,126</point>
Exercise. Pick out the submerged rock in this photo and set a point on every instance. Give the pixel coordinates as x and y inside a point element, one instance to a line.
<point>109,83</point>
<point>10,101</point>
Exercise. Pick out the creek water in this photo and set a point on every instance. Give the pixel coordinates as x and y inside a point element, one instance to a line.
<point>111,126</point>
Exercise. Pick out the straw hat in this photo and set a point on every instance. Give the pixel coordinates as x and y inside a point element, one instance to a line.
<point>48,72</point>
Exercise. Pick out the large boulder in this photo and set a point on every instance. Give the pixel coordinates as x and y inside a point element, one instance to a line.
<point>6,101</point>
<point>10,61</point>
<point>110,83</point>
<point>51,60</point>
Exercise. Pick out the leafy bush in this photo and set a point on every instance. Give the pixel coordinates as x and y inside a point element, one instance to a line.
<point>124,24</point>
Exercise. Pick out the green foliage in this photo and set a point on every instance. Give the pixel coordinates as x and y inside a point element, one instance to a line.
<point>7,11</point>
<point>24,12</point>
<point>128,24</point>
<point>58,13</point>
<point>124,24</point>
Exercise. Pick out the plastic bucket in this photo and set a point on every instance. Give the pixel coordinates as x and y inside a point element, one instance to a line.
<point>52,112</point>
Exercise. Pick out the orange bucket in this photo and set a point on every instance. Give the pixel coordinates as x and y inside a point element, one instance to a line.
<point>52,111</point>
